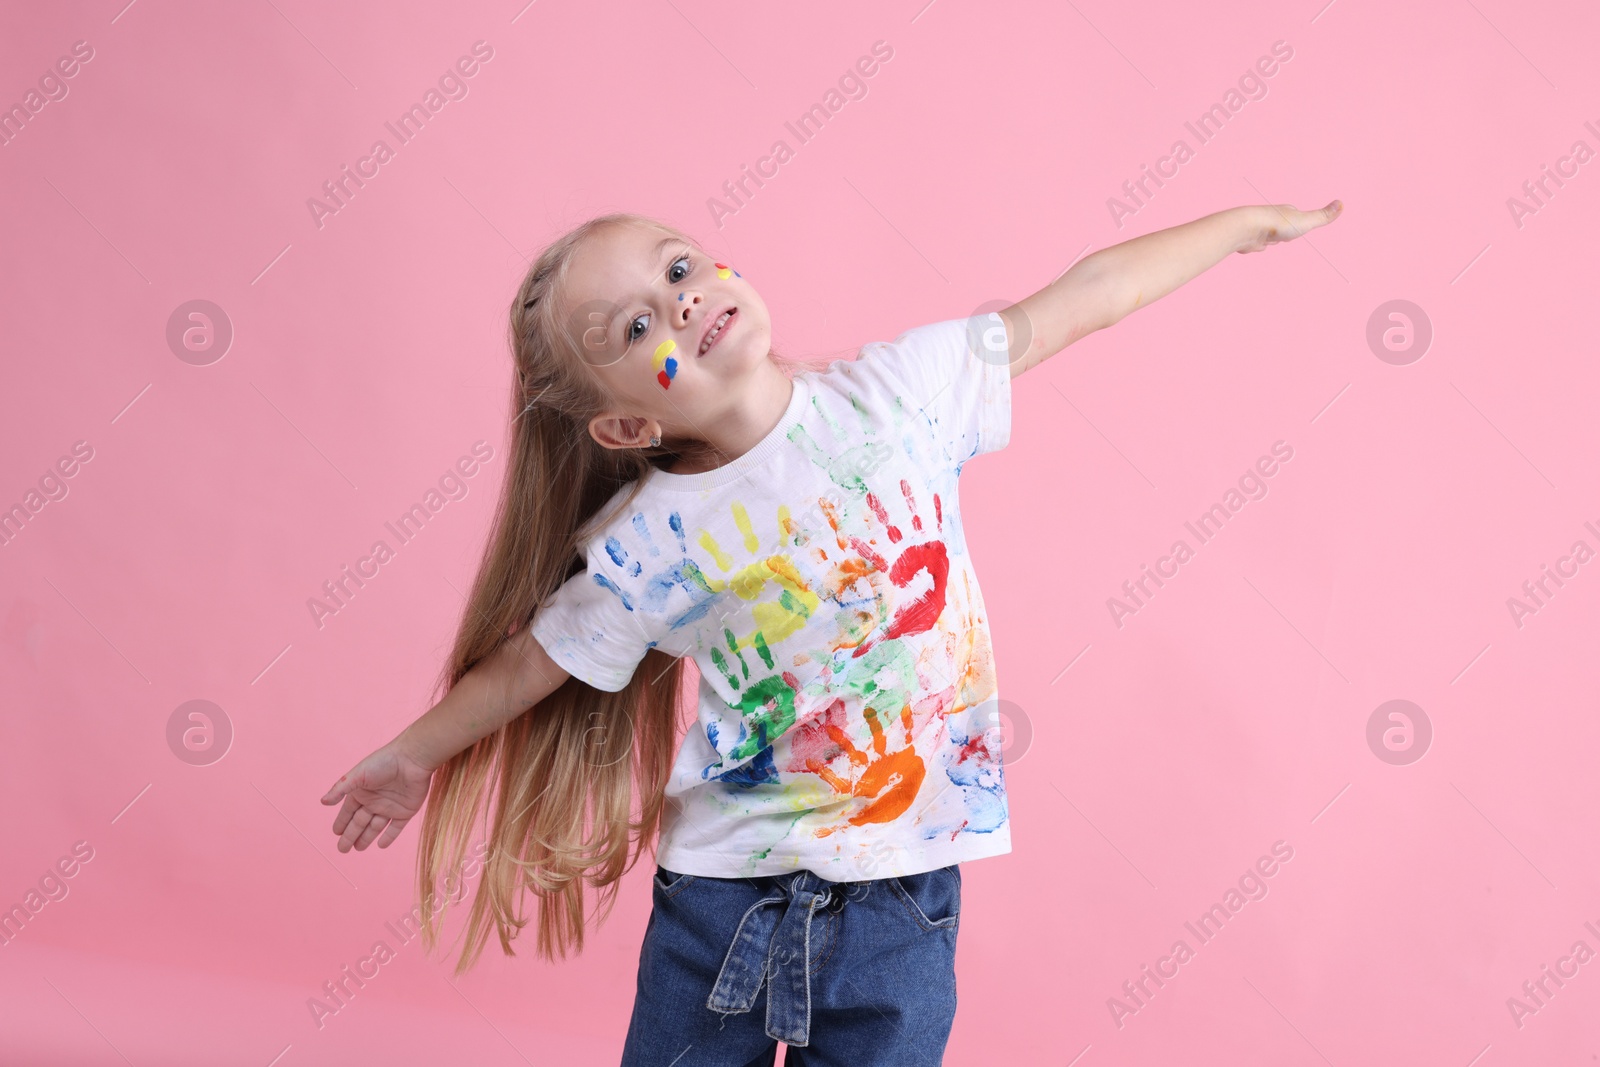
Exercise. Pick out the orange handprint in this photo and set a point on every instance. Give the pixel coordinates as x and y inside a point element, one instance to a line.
<point>891,779</point>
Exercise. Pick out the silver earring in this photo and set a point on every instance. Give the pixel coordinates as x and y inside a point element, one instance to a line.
<point>655,442</point>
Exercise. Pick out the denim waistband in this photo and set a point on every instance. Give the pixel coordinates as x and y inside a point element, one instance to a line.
<point>772,944</point>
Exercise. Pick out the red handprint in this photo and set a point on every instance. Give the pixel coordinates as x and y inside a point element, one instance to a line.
<point>921,613</point>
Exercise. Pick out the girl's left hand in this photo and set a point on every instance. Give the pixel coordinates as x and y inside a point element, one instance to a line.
<point>1284,222</point>
<point>381,794</point>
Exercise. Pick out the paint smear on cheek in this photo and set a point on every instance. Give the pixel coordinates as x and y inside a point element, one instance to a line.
<point>665,366</point>
<point>723,271</point>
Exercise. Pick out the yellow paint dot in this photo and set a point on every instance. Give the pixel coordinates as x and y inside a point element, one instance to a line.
<point>724,273</point>
<point>663,350</point>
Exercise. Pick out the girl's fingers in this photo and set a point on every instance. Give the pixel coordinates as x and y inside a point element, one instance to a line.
<point>358,824</point>
<point>341,820</point>
<point>393,831</point>
<point>1323,215</point>
<point>374,828</point>
<point>1296,223</point>
<point>340,788</point>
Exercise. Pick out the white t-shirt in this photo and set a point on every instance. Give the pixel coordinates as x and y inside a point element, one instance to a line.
<point>847,721</point>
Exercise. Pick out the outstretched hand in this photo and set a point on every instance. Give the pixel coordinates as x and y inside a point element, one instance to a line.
<point>381,794</point>
<point>1285,222</point>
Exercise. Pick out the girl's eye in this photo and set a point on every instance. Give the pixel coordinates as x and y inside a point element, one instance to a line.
<point>635,331</point>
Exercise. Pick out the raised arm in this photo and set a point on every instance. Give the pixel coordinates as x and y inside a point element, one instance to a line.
<point>1106,286</point>
<point>382,792</point>
<point>512,679</point>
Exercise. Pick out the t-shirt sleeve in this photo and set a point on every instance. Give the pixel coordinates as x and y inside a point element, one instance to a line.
<point>591,627</point>
<point>956,382</point>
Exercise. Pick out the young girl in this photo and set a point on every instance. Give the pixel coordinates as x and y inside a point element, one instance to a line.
<point>676,491</point>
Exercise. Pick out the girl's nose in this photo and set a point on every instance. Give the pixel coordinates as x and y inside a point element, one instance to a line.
<point>686,302</point>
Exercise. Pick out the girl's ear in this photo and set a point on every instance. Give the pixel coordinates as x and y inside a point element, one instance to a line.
<point>616,429</point>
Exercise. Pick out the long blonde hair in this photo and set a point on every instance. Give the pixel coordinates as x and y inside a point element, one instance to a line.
<point>564,772</point>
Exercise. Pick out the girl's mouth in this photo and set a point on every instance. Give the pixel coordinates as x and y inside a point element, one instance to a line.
<point>718,328</point>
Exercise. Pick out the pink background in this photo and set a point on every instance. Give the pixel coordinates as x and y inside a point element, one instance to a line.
<point>1228,714</point>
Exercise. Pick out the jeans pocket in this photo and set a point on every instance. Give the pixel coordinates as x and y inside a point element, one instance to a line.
<point>933,898</point>
<point>671,882</point>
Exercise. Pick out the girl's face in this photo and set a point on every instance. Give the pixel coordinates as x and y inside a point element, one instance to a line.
<point>677,337</point>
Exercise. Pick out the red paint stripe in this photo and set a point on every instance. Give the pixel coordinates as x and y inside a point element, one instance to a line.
<point>883,516</point>
<point>911,502</point>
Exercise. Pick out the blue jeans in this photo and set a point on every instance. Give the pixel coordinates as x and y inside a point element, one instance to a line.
<point>841,972</point>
